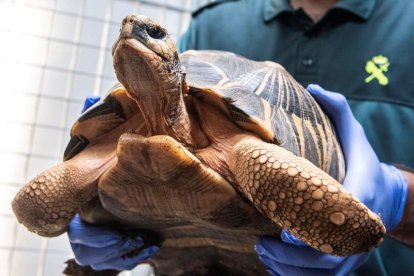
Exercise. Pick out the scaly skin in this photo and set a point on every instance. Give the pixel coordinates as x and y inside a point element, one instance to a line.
<point>40,201</point>
<point>303,199</point>
<point>47,203</point>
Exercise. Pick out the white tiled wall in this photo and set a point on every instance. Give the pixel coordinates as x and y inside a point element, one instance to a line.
<point>54,53</point>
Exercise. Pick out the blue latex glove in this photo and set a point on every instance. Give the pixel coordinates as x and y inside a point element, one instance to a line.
<point>100,247</point>
<point>379,186</point>
<point>90,101</point>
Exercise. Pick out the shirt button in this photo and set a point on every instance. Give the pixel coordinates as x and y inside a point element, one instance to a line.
<point>307,62</point>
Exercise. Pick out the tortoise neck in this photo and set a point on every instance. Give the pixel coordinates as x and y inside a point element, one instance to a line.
<point>166,113</point>
<point>176,117</point>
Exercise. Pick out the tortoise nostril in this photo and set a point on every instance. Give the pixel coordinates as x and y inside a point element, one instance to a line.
<point>131,21</point>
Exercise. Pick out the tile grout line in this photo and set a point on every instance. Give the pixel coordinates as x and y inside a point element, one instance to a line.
<point>102,50</point>
<point>72,71</point>
<point>44,241</point>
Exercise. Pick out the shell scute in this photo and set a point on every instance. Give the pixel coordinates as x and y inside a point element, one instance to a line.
<point>263,97</point>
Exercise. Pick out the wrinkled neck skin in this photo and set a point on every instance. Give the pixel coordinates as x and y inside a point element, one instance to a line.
<point>157,88</point>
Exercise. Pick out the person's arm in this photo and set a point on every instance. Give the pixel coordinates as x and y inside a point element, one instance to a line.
<point>404,231</point>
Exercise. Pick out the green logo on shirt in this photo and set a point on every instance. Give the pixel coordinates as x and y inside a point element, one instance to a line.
<point>377,67</point>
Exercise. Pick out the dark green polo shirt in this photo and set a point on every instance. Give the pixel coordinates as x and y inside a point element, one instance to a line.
<point>363,49</point>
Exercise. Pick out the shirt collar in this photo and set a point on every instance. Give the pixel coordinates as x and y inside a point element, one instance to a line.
<point>361,8</point>
<point>273,8</point>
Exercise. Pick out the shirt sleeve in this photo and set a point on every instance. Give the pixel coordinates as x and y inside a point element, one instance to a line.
<point>188,39</point>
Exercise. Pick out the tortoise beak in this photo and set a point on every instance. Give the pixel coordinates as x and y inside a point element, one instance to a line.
<point>131,27</point>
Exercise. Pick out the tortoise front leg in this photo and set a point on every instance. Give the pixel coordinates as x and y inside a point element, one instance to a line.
<point>47,203</point>
<point>303,199</point>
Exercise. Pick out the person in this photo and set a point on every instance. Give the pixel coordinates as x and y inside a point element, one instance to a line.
<point>362,49</point>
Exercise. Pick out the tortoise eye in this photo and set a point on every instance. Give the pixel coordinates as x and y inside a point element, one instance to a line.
<point>156,32</point>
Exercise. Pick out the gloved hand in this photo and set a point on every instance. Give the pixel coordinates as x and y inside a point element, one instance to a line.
<point>90,101</point>
<point>100,247</point>
<point>380,186</point>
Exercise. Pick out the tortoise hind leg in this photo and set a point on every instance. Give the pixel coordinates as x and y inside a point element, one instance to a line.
<point>303,199</point>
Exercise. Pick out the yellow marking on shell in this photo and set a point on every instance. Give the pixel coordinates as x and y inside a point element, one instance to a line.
<point>326,135</point>
<point>314,138</point>
<point>267,112</point>
<point>264,81</point>
<point>298,122</point>
<point>272,84</point>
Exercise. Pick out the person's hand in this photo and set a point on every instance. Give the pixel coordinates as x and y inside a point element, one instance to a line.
<point>103,248</point>
<point>292,257</point>
<point>380,186</point>
<point>90,101</point>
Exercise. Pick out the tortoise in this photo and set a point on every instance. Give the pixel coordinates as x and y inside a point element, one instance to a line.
<point>206,150</point>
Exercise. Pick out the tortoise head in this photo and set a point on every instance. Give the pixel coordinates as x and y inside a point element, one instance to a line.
<point>145,57</point>
<point>146,62</point>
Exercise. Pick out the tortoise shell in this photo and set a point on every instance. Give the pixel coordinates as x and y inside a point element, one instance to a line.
<point>259,96</point>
